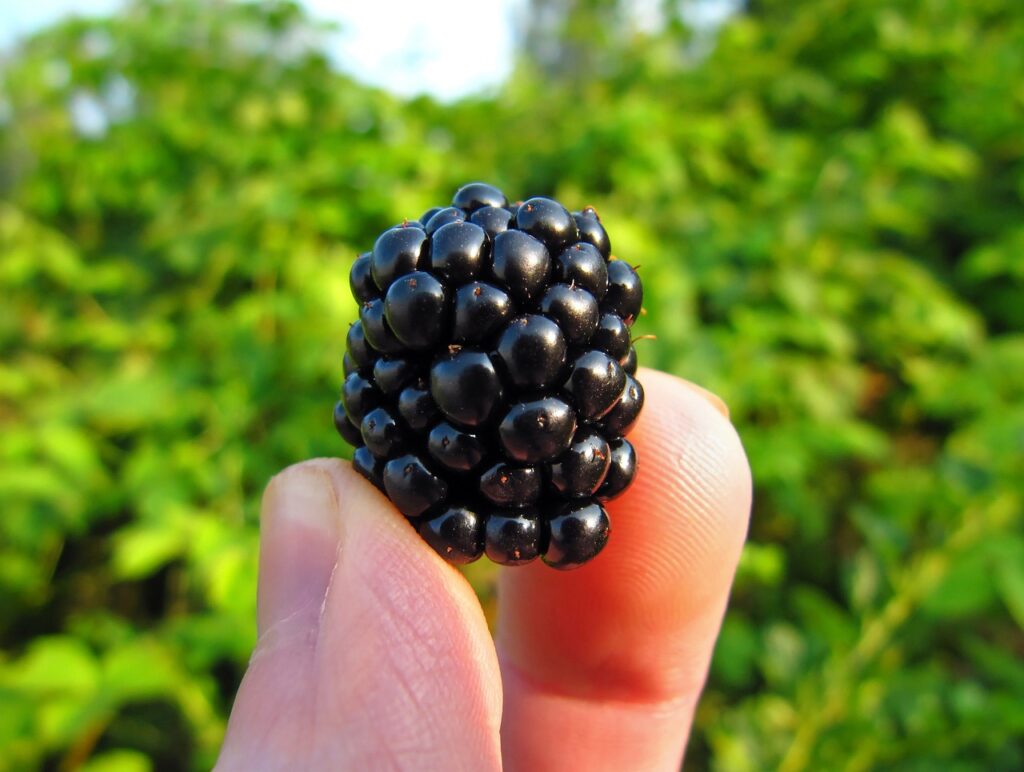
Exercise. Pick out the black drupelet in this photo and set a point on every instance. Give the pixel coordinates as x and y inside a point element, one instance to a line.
<point>490,379</point>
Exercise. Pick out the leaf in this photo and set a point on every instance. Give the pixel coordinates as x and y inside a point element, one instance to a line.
<point>55,665</point>
<point>139,669</point>
<point>1009,578</point>
<point>118,761</point>
<point>823,616</point>
<point>140,550</point>
<point>966,589</point>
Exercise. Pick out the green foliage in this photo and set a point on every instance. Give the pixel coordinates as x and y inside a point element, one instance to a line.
<point>827,208</point>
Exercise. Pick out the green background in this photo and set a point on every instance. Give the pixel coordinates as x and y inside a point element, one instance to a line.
<point>827,202</point>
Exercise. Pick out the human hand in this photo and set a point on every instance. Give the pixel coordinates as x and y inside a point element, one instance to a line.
<point>373,653</point>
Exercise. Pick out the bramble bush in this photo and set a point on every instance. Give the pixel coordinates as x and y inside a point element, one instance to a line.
<point>827,202</point>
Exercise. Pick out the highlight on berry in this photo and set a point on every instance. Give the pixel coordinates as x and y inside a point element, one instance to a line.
<point>490,380</point>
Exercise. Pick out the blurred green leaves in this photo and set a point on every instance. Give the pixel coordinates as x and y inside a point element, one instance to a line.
<point>826,207</point>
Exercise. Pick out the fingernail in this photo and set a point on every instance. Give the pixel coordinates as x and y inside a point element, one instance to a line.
<point>300,533</point>
<point>714,399</point>
<point>304,495</point>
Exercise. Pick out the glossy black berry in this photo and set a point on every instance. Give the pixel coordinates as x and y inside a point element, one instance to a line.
<point>455,449</point>
<point>582,266</point>
<point>457,534</point>
<point>381,433</point>
<point>490,378</point>
<point>466,387</point>
<point>359,396</point>
<point>547,220</point>
<point>358,348</point>
<point>360,280</point>
<point>611,337</point>
<point>417,407</point>
<point>348,365</point>
<point>629,363</point>
<point>621,418</point>
<point>582,468</point>
<point>369,466</point>
<point>348,430</point>
<point>376,329</point>
<point>538,430</point>
<point>621,470</point>
<point>412,486</point>
<point>416,309</point>
<point>595,383</point>
<point>511,485</point>
<point>625,292</point>
<point>493,219</point>
<point>515,537</point>
<point>521,265</point>
<point>573,309</point>
<point>476,195</point>
<point>443,217</point>
<point>391,375</point>
<point>481,310</point>
<point>532,351</point>
<point>592,232</point>
<point>458,252</point>
<point>578,531</point>
<point>425,217</point>
<point>397,251</point>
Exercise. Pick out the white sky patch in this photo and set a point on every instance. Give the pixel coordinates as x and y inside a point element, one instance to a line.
<point>19,17</point>
<point>445,48</point>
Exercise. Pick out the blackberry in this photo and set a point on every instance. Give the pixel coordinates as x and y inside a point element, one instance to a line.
<point>381,433</point>
<point>397,251</point>
<point>466,387</point>
<point>416,310</point>
<point>625,294</point>
<point>574,309</point>
<point>532,352</point>
<point>582,265</point>
<point>443,217</point>
<point>360,279</point>
<point>376,329</point>
<point>480,311</point>
<point>537,431</point>
<point>549,221</point>
<point>458,251</point>
<point>490,378</point>
<point>493,219</point>
<point>477,195</point>
<point>596,383</point>
<point>592,232</point>
<point>521,265</point>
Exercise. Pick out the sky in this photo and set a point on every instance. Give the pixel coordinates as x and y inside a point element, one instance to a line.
<point>446,48</point>
<point>404,46</point>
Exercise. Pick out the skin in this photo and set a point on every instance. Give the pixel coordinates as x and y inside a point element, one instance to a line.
<point>373,653</point>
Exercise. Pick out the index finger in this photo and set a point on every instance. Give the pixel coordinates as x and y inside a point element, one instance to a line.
<point>609,659</point>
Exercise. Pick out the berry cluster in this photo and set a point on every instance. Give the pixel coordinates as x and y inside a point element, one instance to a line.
<point>490,378</point>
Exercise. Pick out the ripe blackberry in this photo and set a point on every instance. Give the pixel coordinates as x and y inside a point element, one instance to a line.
<point>490,379</point>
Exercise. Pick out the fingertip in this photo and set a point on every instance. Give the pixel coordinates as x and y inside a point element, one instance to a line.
<point>620,647</point>
<point>386,532</point>
<point>679,529</point>
<point>716,402</point>
<point>313,509</point>
<point>300,522</point>
<point>618,625</point>
<point>364,631</point>
<point>397,613</point>
<point>693,476</point>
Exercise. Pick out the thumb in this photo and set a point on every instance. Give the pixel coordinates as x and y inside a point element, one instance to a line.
<point>372,651</point>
